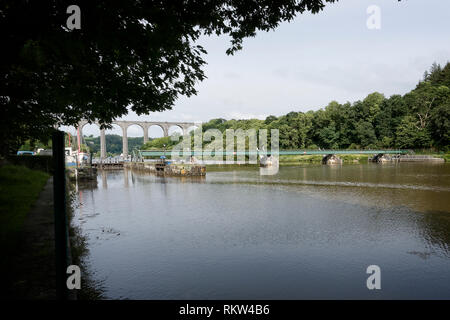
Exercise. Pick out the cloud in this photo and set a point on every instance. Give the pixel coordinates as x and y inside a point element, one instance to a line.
<point>231,75</point>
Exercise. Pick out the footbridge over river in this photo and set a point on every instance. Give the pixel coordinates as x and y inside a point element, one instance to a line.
<point>260,152</point>
<point>139,155</point>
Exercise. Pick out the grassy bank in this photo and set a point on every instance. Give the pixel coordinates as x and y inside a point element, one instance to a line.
<point>19,189</point>
<point>90,288</point>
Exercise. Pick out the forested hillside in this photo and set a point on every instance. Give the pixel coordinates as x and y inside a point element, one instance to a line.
<point>113,143</point>
<point>419,119</point>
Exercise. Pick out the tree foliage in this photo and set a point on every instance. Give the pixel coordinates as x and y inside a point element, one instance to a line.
<point>163,143</point>
<point>132,54</point>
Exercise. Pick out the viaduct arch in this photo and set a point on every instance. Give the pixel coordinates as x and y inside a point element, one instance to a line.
<point>145,125</point>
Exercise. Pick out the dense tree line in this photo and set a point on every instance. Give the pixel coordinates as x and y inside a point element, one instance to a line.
<point>418,119</point>
<point>164,142</point>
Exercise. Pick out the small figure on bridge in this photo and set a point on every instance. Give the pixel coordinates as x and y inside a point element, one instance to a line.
<point>192,159</point>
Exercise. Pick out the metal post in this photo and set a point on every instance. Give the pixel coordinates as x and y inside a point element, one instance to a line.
<point>102,144</point>
<point>59,202</point>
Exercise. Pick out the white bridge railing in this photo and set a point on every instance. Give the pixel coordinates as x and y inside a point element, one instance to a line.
<point>111,160</point>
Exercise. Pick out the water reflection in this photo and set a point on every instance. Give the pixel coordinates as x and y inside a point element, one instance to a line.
<point>306,232</point>
<point>125,177</point>
<point>435,228</point>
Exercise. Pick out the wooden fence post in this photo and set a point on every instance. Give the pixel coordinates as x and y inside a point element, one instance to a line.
<point>59,202</point>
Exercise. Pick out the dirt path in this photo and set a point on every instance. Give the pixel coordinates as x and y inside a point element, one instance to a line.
<point>34,275</point>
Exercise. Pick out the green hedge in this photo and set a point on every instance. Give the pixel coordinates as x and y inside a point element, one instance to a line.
<point>42,163</point>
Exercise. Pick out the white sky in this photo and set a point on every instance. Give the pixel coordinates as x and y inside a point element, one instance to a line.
<point>305,64</point>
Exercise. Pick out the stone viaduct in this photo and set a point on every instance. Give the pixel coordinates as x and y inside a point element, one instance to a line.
<point>145,125</point>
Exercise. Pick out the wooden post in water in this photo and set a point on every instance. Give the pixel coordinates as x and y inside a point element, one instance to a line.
<point>59,202</point>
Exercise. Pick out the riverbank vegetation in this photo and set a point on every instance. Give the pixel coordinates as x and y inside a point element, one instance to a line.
<point>91,289</point>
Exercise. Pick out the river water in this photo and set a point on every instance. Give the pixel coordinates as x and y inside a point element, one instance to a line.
<point>308,232</point>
